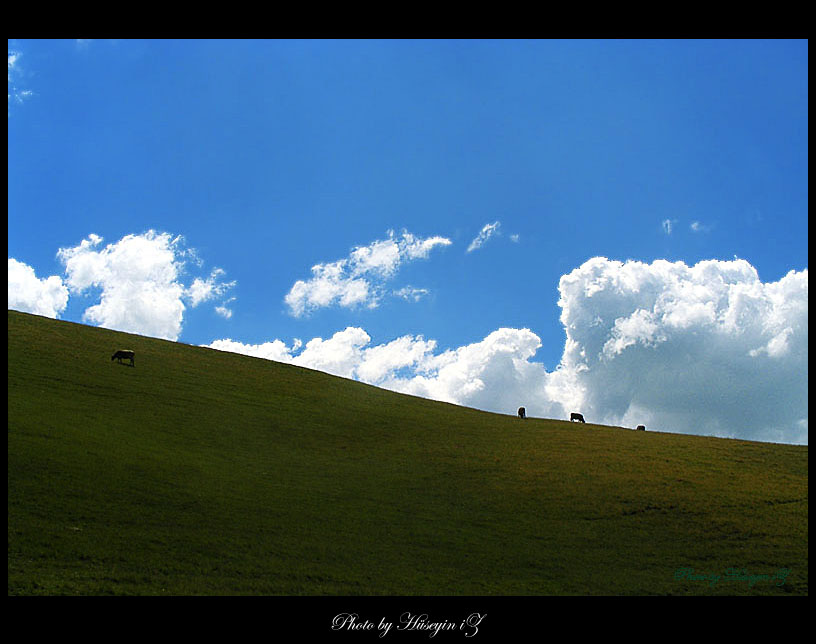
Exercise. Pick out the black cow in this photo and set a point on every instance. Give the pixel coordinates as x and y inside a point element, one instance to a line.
<point>522,413</point>
<point>125,354</point>
<point>576,416</point>
<point>641,428</point>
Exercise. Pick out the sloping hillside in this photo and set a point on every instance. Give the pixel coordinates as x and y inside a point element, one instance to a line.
<point>202,472</point>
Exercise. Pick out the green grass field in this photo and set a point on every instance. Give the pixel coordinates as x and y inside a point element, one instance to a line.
<point>198,472</point>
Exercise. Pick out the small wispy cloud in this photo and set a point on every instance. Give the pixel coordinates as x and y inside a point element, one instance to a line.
<point>411,293</point>
<point>202,290</point>
<point>16,94</point>
<point>698,227</point>
<point>487,231</point>
<point>13,57</point>
<point>668,225</point>
<point>223,310</point>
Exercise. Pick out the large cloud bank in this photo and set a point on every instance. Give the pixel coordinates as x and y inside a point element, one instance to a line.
<point>708,349</point>
<point>139,282</point>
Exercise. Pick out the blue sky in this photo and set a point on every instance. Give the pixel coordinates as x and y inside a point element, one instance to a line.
<point>379,162</point>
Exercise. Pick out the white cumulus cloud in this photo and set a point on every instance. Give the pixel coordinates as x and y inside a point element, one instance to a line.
<point>28,293</point>
<point>707,349</point>
<point>493,374</point>
<point>274,350</point>
<point>139,280</point>
<point>358,279</point>
<point>339,355</point>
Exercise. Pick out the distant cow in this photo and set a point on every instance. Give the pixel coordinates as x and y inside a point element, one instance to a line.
<point>522,412</point>
<point>641,428</point>
<point>124,354</point>
<point>576,416</point>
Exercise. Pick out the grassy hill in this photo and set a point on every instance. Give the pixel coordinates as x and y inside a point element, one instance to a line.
<point>203,472</point>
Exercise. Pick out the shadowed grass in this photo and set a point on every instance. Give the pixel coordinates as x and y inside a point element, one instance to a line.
<point>202,472</point>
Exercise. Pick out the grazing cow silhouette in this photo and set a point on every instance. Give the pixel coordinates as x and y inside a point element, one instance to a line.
<point>576,416</point>
<point>125,354</point>
<point>522,412</point>
<point>641,428</point>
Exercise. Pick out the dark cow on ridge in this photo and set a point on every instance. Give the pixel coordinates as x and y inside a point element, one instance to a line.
<point>125,354</point>
<point>576,416</point>
<point>641,428</point>
<point>522,413</point>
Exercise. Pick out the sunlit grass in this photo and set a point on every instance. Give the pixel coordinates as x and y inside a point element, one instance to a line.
<point>202,472</point>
